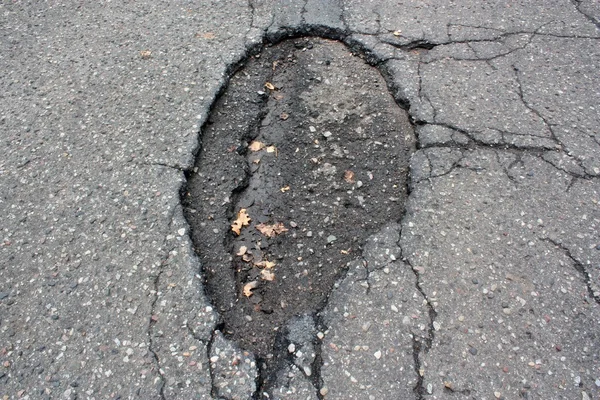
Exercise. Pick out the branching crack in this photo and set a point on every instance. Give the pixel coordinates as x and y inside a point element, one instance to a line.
<point>531,108</point>
<point>421,345</point>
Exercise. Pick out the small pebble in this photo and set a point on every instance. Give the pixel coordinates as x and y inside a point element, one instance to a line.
<point>377,354</point>
<point>475,281</point>
<point>473,351</point>
<point>584,396</point>
<point>292,348</point>
<point>324,391</point>
<point>331,239</point>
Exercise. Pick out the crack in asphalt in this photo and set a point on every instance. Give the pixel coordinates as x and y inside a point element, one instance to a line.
<point>151,349</point>
<point>531,108</point>
<point>591,18</point>
<point>503,145</point>
<point>578,266</point>
<point>214,391</point>
<point>421,345</point>
<point>151,320</point>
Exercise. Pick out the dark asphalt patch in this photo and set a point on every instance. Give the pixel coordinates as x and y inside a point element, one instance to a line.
<point>309,142</point>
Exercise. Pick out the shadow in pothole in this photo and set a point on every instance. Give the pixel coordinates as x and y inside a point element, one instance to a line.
<point>305,154</point>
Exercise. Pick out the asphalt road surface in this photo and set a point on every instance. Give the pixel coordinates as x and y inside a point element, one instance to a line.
<point>465,264</point>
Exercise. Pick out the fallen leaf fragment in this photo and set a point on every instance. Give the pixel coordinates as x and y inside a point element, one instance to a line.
<point>271,230</point>
<point>349,176</point>
<point>271,149</point>
<point>248,288</point>
<point>206,35</point>
<point>270,86</point>
<point>284,116</point>
<point>265,264</point>
<point>145,54</point>
<point>242,251</point>
<point>285,189</point>
<point>242,220</point>
<point>255,145</point>
<point>247,257</point>
<point>278,96</point>
<point>398,33</point>
<point>267,275</point>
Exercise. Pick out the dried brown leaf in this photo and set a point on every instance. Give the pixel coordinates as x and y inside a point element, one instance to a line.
<point>349,176</point>
<point>271,149</point>
<point>145,54</point>
<point>265,264</point>
<point>271,230</point>
<point>284,116</point>
<point>206,35</point>
<point>267,275</point>
<point>270,86</point>
<point>285,189</point>
<point>255,145</point>
<point>243,219</point>
<point>248,288</point>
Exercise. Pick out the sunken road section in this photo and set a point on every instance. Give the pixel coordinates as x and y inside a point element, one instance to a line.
<point>303,157</point>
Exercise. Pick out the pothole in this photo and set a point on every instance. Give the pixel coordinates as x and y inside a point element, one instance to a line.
<point>306,142</point>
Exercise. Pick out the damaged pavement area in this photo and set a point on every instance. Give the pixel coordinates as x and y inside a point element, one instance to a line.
<point>302,159</point>
<point>324,250</point>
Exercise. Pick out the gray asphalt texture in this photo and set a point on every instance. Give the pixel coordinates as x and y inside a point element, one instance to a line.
<point>489,287</point>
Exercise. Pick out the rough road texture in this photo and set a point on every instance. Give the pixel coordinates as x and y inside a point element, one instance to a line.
<point>101,105</point>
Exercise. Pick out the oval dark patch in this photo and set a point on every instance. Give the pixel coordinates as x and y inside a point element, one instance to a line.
<point>310,144</point>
